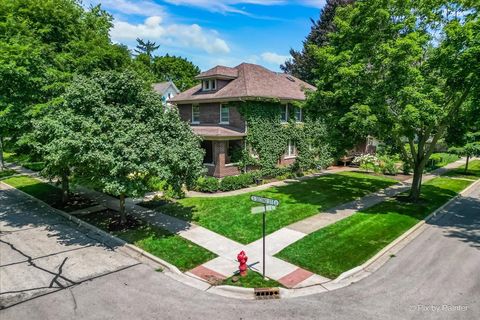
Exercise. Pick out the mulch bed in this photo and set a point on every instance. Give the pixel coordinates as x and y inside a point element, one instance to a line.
<point>76,202</point>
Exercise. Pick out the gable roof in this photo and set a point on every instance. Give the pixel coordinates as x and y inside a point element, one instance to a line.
<point>253,81</point>
<point>161,87</point>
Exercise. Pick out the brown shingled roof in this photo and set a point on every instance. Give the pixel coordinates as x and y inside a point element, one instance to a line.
<point>219,72</point>
<point>217,131</point>
<point>253,81</point>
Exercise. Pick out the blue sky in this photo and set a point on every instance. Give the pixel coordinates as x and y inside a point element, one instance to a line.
<point>212,32</point>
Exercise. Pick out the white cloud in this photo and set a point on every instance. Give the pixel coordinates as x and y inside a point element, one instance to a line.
<point>229,6</point>
<point>139,7</point>
<point>273,58</point>
<point>224,6</point>
<point>175,35</point>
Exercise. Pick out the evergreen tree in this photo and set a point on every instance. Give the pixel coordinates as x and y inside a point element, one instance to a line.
<point>146,48</point>
<point>302,63</point>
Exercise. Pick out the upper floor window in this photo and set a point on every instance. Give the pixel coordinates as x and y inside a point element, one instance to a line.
<point>284,113</point>
<point>209,84</point>
<point>195,114</point>
<point>224,114</point>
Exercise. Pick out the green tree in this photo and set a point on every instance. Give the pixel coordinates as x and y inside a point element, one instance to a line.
<point>127,137</point>
<point>177,69</point>
<point>302,63</point>
<point>146,48</point>
<point>398,70</point>
<point>42,45</point>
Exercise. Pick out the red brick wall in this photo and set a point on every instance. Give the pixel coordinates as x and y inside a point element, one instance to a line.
<point>219,153</point>
<point>210,114</point>
<point>286,161</point>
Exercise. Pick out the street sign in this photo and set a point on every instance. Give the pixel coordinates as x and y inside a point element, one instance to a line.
<point>263,200</point>
<point>268,205</point>
<point>262,209</point>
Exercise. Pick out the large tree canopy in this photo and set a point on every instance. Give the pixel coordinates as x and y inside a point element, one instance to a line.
<point>302,62</point>
<point>399,70</point>
<point>42,45</point>
<point>112,129</point>
<point>177,69</point>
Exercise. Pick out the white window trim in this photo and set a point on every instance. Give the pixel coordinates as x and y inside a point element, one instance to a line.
<point>286,114</point>
<point>228,109</point>
<point>212,85</point>
<point>193,121</point>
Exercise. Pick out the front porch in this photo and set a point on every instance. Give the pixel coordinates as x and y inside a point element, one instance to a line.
<point>221,145</point>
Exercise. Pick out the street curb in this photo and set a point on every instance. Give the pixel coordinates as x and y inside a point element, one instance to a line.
<point>348,277</point>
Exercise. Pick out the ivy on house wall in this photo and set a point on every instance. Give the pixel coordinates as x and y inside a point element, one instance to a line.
<point>268,137</point>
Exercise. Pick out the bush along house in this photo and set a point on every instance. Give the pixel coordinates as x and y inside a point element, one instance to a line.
<point>250,117</point>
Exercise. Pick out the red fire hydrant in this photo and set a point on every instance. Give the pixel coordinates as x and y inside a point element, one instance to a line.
<point>242,259</point>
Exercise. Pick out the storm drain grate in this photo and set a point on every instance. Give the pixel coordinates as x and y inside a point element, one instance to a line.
<point>267,293</point>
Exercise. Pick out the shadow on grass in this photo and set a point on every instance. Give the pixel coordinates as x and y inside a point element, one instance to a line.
<point>17,212</point>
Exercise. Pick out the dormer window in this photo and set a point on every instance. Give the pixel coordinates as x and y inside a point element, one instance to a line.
<point>209,85</point>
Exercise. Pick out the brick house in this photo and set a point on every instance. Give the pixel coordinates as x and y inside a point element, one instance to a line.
<point>221,126</point>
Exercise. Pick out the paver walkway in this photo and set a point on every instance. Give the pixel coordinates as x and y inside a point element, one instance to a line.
<point>226,265</point>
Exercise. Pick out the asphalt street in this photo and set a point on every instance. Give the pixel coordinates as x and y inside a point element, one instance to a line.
<point>436,276</point>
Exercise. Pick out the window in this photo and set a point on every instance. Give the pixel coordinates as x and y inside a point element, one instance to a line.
<point>291,149</point>
<point>284,113</point>
<point>298,114</point>
<point>224,114</point>
<point>210,84</point>
<point>195,114</point>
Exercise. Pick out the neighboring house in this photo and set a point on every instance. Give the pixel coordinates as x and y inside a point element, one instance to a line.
<point>221,126</point>
<point>167,90</point>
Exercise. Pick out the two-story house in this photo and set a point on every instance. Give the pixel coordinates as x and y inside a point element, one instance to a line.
<point>221,126</point>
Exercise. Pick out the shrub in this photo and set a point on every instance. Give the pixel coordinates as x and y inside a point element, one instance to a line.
<point>207,184</point>
<point>236,182</point>
<point>366,162</point>
<point>388,165</point>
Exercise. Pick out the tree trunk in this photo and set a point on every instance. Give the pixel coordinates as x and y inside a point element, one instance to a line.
<point>65,187</point>
<point>2,163</point>
<point>123,216</point>
<point>466,164</point>
<point>417,182</point>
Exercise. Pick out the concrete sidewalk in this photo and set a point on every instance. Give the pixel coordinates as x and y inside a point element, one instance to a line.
<point>225,264</point>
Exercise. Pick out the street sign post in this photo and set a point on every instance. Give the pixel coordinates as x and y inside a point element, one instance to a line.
<point>268,205</point>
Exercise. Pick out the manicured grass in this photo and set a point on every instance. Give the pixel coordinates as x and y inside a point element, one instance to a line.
<point>172,248</point>
<point>24,161</point>
<point>440,159</point>
<point>48,193</point>
<point>352,241</point>
<point>473,171</point>
<point>42,191</point>
<point>7,173</point>
<point>232,217</point>
<point>252,280</point>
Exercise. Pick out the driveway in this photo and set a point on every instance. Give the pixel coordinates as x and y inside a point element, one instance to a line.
<point>42,252</point>
<point>436,276</point>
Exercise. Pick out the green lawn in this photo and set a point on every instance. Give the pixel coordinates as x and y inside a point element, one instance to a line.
<point>174,249</point>
<point>440,159</point>
<point>252,280</point>
<point>40,190</point>
<point>231,216</point>
<point>352,241</point>
<point>23,160</point>
<point>473,171</point>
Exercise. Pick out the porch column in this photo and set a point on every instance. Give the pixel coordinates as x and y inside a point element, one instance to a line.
<point>219,153</point>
